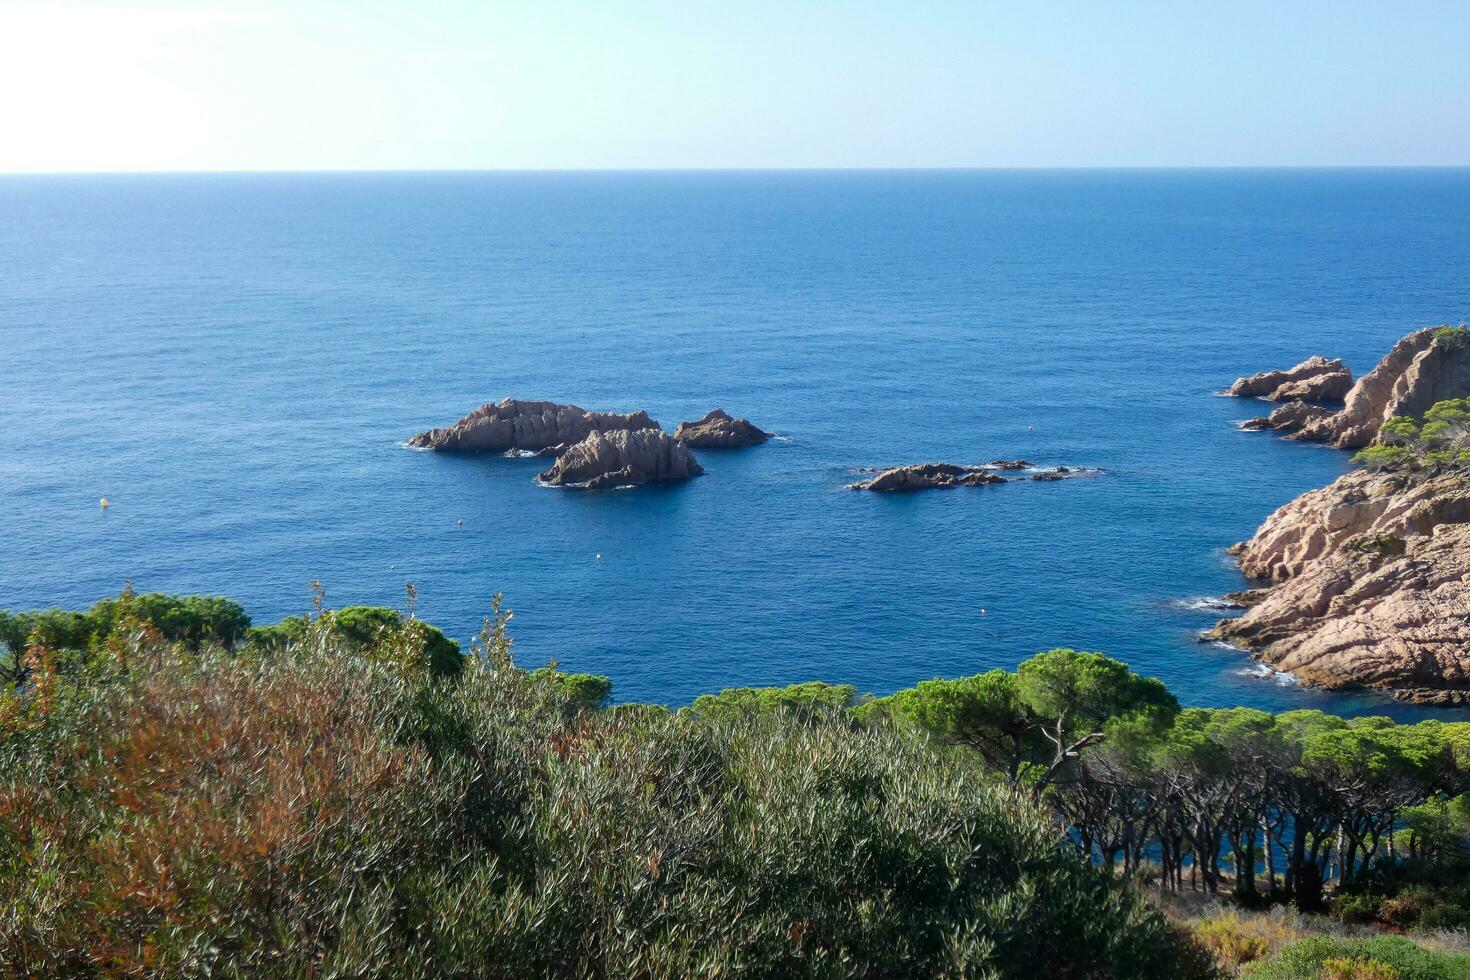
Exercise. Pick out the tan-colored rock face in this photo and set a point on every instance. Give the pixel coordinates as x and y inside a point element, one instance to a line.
<point>1374,574</point>
<point>604,460</point>
<point>1420,370</point>
<point>1315,379</point>
<point>513,424</point>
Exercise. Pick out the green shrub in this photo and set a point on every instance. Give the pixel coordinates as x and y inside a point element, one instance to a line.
<point>1385,457</point>
<point>1445,917</point>
<point>1386,545</point>
<point>1401,910</point>
<point>1453,335</point>
<point>381,628</point>
<point>812,700</point>
<point>1231,942</point>
<point>1440,439</point>
<point>584,692</point>
<point>278,636</point>
<point>192,619</point>
<point>1372,959</point>
<point>1355,909</point>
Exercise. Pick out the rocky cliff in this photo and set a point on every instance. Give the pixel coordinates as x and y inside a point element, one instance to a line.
<point>1372,586</point>
<point>1426,367</point>
<point>619,457</point>
<point>719,429</point>
<point>523,425</point>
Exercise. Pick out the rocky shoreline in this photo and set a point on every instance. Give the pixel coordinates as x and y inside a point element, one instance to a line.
<point>1367,580</point>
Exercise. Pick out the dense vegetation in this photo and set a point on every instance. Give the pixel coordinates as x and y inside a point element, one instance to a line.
<point>347,794</point>
<point>1283,802</point>
<point>181,795</point>
<point>1440,439</point>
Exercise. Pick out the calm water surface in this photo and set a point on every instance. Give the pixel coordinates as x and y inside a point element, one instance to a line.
<point>235,360</point>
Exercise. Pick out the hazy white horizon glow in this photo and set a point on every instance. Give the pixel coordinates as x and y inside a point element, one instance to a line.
<point>443,84</point>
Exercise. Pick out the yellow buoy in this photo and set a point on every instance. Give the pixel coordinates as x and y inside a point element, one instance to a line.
<point>104,503</point>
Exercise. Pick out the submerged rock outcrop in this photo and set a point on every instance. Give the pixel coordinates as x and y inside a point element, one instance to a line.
<point>719,429</point>
<point>945,476</point>
<point>926,476</point>
<point>1372,586</point>
<point>620,457</point>
<point>1316,379</point>
<point>524,425</point>
<point>1291,417</point>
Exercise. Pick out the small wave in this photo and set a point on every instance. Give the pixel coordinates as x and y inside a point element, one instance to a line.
<point>1205,603</point>
<point>1260,671</point>
<point>786,439</point>
<point>583,486</point>
<point>518,453</point>
<point>415,449</point>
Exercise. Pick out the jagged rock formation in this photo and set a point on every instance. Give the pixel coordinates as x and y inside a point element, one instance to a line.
<point>522,425</point>
<point>620,457</point>
<point>1316,379</point>
<point>1373,586</point>
<point>1291,417</point>
<point>719,429</point>
<point>926,476</point>
<point>1427,366</point>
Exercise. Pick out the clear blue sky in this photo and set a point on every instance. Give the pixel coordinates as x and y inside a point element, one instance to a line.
<point>333,84</point>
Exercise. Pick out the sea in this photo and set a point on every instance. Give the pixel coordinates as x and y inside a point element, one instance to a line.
<point>235,362</point>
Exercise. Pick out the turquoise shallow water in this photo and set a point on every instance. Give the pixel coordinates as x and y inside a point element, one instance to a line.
<point>235,360</point>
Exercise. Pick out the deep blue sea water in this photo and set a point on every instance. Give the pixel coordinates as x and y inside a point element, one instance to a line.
<point>235,361</point>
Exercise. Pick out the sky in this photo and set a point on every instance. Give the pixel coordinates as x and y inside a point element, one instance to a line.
<point>478,84</point>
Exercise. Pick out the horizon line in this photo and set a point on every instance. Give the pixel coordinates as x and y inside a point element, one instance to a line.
<point>287,171</point>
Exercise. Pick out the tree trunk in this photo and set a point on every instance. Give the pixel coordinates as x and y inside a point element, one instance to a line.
<point>1270,855</point>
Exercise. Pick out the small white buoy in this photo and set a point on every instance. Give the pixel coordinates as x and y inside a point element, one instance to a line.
<point>1030,428</point>
<point>982,610</point>
<point>599,556</point>
<point>460,522</point>
<point>105,503</point>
